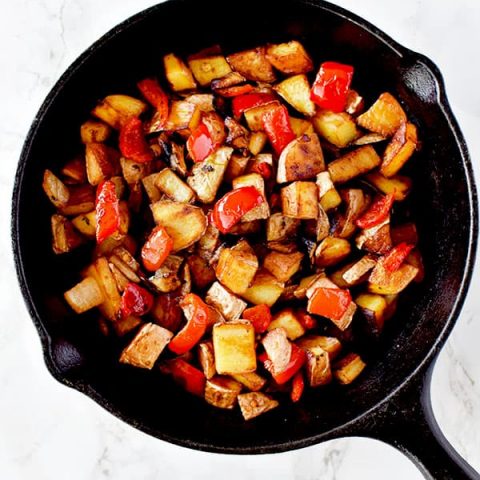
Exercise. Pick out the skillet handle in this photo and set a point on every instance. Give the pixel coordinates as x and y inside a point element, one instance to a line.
<point>406,421</point>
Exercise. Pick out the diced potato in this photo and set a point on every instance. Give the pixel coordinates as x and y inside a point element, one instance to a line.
<point>398,185</point>
<point>238,135</point>
<point>252,381</point>
<point>230,80</point>
<point>253,65</point>
<point>384,117</point>
<point>184,223</point>
<point>75,170</point>
<point>209,68</point>
<point>348,368</point>
<point>301,127</point>
<point>283,265</point>
<point>204,101</point>
<point>116,110</point>
<point>209,242</point>
<point>327,193</point>
<point>166,278</point>
<point>172,186</point>
<point>356,204</point>
<point>234,347</point>
<point>208,175</point>
<point>132,171</point>
<point>101,162</point>
<point>246,228</point>
<point>355,103</point>
<point>106,281</point>
<point>296,91</point>
<point>415,259</point>
<point>178,74</point>
<point>282,247</point>
<point>237,267</point>
<point>354,163</point>
<point>280,227</point>
<point>331,345</point>
<point>56,191</point>
<point>265,289</point>
<point>222,392</point>
<point>125,254</point>
<point>92,131</point>
<point>289,57</point>
<point>375,239</point>
<point>254,116</point>
<point>167,312</point>
<point>120,279</point>
<point>177,159</point>
<point>262,211</point>
<point>337,128</point>
<point>388,283</point>
<point>331,251</point>
<point>287,320</point>
<point>319,281</point>
<point>86,223</point>
<point>306,282</point>
<point>257,142</point>
<point>254,404</point>
<point>369,138</point>
<point>64,236</point>
<point>356,272</point>
<point>318,367</point>
<point>404,233</point>
<point>84,295</point>
<point>373,308</point>
<point>183,115</point>
<point>126,325</point>
<point>203,274</point>
<point>399,150</point>
<point>236,166</point>
<point>144,350</point>
<point>277,348</point>
<point>150,185</point>
<point>230,306</point>
<point>300,200</point>
<point>301,159</point>
<point>206,358</point>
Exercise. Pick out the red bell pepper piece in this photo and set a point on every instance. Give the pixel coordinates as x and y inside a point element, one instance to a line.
<point>331,86</point>
<point>393,260</point>
<point>132,142</point>
<point>297,359</point>
<point>233,206</point>
<point>263,169</point>
<point>276,123</point>
<point>377,212</point>
<point>107,211</point>
<point>156,96</point>
<point>200,143</point>
<point>136,300</point>
<point>331,303</point>
<point>193,331</point>
<point>298,386</point>
<point>307,321</point>
<point>250,100</point>
<point>235,90</point>
<point>260,317</point>
<point>156,249</point>
<point>189,377</point>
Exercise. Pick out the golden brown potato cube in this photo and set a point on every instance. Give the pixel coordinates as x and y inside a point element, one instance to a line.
<point>373,308</point>
<point>289,57</point>
<point>398,185</point>
<point>283,265</point>
<point>356,202</point>
<point>229,80</point>
<point>203,274</point>
<point>375,239</point>
<point>354,163</point>
<point>166,278</point>
<point>206,359</point>
<point>92,131</point>
<point>207,69</point>
<point>331,345</point>
<point>300,200</point>
<point>178,74</point>
<point>208,175</point>
<point>150,185</point>
<point>252,381</point>
<point>246,228</point>
<point>209,242</point>
<point>236,166</point>
<point>348,368</point>
<point>254,116</point>
<point>262,211</point>
<point>120,279</point>
<point>56,191</point>
<point>318,367</point>
<point>253,65</point>
<point>280,227</point>
<point>144,350</point>
<point>101,162</point>
<point>384,117</point>
<point>84,295</point>
<point>106,281</point>
<point>237,267</point>
<point>331,251</point>
<point>230,306</point>
<point>75,170</point>
<point>116,110</point>
<point>415,259</point>
<point>86,223</point>
<point>355,103</point>
<point>265,289</point>
<point>301,127</point>
<point>184,223</point>
<point>132,171</point>
<point>327,193</point>
<point>123,268</point>
<point>399,150</point>
<point>254,404</point>
<point>257,142</point>
<point>222,392</point>
<point>404,233</point>
<point>238,135</point>
<point>64,236</point>
<point>287,320</point>
<point>296,91</point>
<point>277,348</point>
<point>172,186</point>
<point>183,115</point>
<point>337,128</point>
<point>356,272</point>
<point>388,283</point>
<point>234,347</point>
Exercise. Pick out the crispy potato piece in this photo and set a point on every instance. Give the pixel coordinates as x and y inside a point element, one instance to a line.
<point>186,279</point>
<point>415,259</point>
<point>64,237</point>
<point>283,265</point>
<point>209,68</point>
<point>355,103</point>
<point>375,239</point>
<point>331,345</point>
<point>301,159</point>
<point>144,350</point>
<point>93,131</point>
<point>280,227</point>
<point>56,191</point>
<point>319,281</point>
<point>262,211</point>
<point>369,138</point>
<point>234,347</point>
<point>236,166</point>
<point>178,74</point>
<point>265,289</point>
<point>277,347</point>
<point>348,368</point>
<point>183,115</point>
<point>337,128</point>
<point>230,306</point>
<point>237,267</point>
<point>229,80</point>
<point>356,273</point>
<point>254,116</point>
<point>300,200</point>
<point>331,251</point>
<point>222,392</point>
<point>246,228</point>
<point>287,320</point>
<point>289,57</point>
<point>253,65</point>
<point>282,247</point>
<point>257,142</point>
<point>356,204</point>
<point>166,278</point>
<point>373,308</point>
<point>176,158</point>
<point>384,117</point>
<point>166,311</point>
<point>115,110</point>
<point>252,381</point>
<point>132,171</point>
<point>296,91</point>
<point>254,404</point>
<point>86,223</point>
<point>301,126</point>
<point>354,163</point>
<point>404,233</point>
<point>206,359</point>
<point>203,274</point>
<point>184,223</point>
<point>150,185</point>
<point>173,187</point>
<point>204,101</point>
<point>101,162</point>
<point>305,283</point>
<point>120,279</point>
<point>238,135</point>
<point>75,170</point>
<point>390,283</point>
<point>209,242</point>
<point>399,150</point>
<point>327,193</point>
<point>208,175</point>
<point>105,279</point>
<point>125,255</point>
<point>84,295</point>
<point>398,185</point>
<point>318,366</point>
<point>126,325</point>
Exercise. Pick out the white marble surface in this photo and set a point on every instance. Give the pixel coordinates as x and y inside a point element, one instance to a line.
<point>48,431</point>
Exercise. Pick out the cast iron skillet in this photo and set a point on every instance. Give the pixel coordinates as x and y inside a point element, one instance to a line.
<point>391,401</point>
